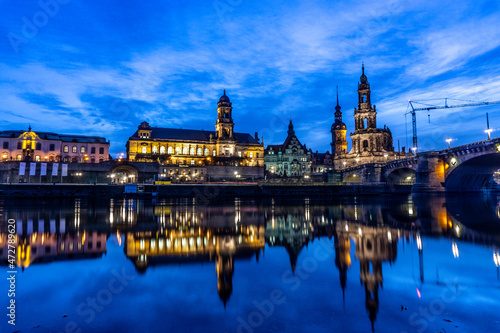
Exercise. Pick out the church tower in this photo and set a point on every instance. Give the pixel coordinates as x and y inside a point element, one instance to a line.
<point>365,116</point>
<point>339,132</point>
<point>224,125</point>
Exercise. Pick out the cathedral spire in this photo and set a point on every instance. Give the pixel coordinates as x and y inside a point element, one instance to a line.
<point>363,77</point>
<point>338,113</point>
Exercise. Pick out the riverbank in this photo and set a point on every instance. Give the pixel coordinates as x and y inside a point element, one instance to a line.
<point>206,191</point>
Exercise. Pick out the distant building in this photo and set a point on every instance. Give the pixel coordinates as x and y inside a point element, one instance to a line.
<point>289,159</point>
<point>52,147</point>
<point>369,143</point>
<point>173,146</point>
<point>321,162</point>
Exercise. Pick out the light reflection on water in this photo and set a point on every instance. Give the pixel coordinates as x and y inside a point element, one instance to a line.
<point>356,264</point>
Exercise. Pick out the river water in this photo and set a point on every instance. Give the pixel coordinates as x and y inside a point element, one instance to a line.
<point>360,264</point>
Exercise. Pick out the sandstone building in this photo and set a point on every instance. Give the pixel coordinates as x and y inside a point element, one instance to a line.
<point>369,143</point>
<point>51,147</point>
<point>173,146</point>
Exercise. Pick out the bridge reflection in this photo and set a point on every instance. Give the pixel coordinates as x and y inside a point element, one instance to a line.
<point>180,232</point>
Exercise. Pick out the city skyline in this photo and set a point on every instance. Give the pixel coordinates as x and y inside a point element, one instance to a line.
<point>78,68</point>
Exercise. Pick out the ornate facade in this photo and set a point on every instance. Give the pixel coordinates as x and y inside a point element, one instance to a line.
<point>197,147</point>
<point>369,143</point>
<point>339,131</point>
<point>52,147</point>
<point>289,159</point>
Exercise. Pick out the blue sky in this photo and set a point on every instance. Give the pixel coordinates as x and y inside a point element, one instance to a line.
<point>101,68</point>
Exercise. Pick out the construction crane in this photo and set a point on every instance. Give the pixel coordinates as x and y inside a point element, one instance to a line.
<point>411,109</point>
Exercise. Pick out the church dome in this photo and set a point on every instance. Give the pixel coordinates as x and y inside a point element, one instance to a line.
<point>336,126</point>
<point>224,100</point>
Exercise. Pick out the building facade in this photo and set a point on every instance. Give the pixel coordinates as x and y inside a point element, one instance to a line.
<point>289,159</point>
<point>51,147</point>
<point>339,131</point>
<point>369,143</point>
<point>197,147</point>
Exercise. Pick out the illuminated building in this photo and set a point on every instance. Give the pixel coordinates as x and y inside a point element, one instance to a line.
<point>339,131</point>
<point>51,147</point>
<point>197,147</point>
<point>289,159</point>
<point>369,143</point>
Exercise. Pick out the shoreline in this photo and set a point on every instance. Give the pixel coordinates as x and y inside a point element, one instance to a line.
<point>205,191</point>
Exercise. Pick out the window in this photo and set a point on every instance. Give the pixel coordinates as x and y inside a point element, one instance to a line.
<point>251,154</point>
<point>74,149</point>
<point>191,151</point>
<point>52,147</point>
<point>6,145</point>
<point>19,145</point>
<point>66,159</point>
<point>144,150</point>
<point>192,163</point>
<point>185,151</point>
<point>37,158</point>
<point>92,160</point>
<point>257,155</point>
<point>178,150</point>
<point>38,146</point>
<point>82,149</point>
<point>205,152</point>
<point>198,151</point>
<point>170,150</point>
<point>66,149</point>
<point>162,150</point>
<point>92,150</point>
<point>101,150</point>
<point>239,154</point>
<point>101,160</point>
<point>18,157</point>
<point>214,153</point>
<point>155,149</point>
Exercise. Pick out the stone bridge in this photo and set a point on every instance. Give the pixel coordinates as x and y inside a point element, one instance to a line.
<point>459,169</point>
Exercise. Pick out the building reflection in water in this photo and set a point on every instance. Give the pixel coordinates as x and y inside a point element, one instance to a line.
<point>179,231</point>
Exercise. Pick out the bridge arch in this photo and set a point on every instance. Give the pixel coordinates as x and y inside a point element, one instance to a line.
<point>401,176</point>
<point>124,174</point>
<point>352,178</point>
<point>473,174</point>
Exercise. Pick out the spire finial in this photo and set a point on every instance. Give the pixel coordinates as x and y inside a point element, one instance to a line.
<point>224,91</point>
<point>337,95</point>
<point>363,67</point>
<point>29,128</point>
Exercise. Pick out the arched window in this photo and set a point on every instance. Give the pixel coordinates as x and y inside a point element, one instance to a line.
<point>66,159</point>
<point>66,149</point>
<point>198,151</point>
<point>82,150</point>
<point>155,149</point>
<point>191,151</point>
<point>365,145</point>
<point>178,150</point>
<point>185,150</point>
<point>170,150</point>
<point>162,150</point>
<point>214,153</point>
<point>74,149</point>
<point>38,146</point>
<point>206,152</point>
<point>144,150</point>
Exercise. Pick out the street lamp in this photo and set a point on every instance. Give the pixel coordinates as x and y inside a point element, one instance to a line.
<point>449,141</point>
<point>489,130</point>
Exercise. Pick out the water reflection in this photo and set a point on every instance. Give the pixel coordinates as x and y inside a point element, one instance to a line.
<point>181,232</point>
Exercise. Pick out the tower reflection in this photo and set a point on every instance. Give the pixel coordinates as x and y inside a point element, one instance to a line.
<point>180,232</point>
